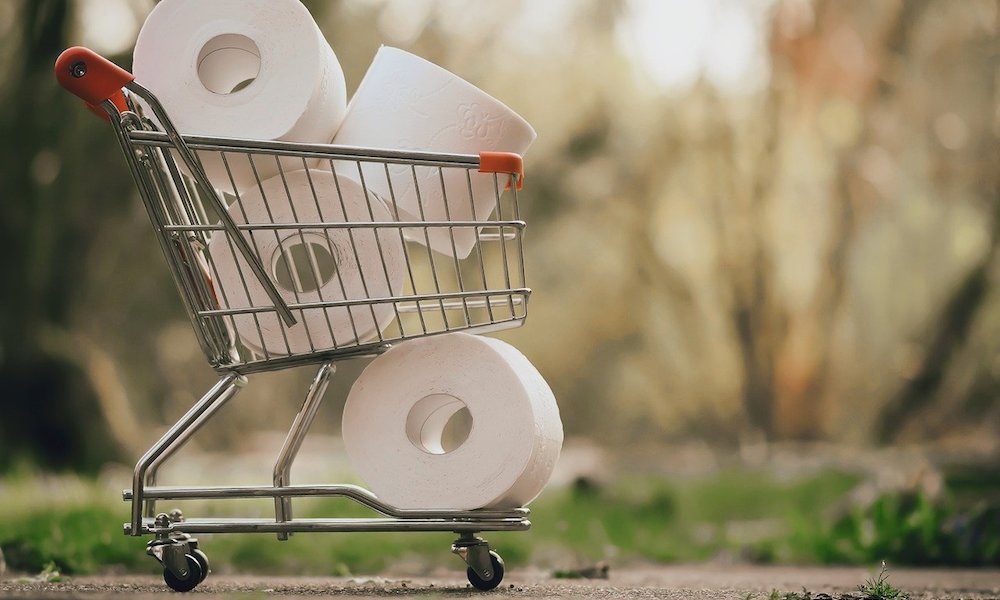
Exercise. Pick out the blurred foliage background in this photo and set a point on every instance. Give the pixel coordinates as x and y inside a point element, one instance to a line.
<point>750,222</point>
<point>760,219</point>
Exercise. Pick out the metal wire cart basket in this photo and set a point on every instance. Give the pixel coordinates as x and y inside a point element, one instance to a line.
<point>204,233</point>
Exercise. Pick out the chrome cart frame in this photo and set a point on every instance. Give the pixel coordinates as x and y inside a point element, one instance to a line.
<point>484,292</point>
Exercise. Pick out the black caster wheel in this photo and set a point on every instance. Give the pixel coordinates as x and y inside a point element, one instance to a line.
<point>194,576</point>
<point>202,559</point>
<point>487,584</point>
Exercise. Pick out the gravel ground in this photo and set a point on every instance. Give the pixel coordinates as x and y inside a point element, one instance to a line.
<point>675,582</point>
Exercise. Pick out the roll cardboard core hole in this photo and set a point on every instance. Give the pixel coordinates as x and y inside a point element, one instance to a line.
<point>438,423</point>
<point>228,63</point>
<point>303,263</point>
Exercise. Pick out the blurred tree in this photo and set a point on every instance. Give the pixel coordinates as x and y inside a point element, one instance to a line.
<point>844,69</point>
<point>958,163</point>
<point>51,408</point>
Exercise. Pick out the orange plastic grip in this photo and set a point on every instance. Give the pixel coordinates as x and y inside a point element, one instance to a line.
<point>92,77</point>
<point>503,162</point>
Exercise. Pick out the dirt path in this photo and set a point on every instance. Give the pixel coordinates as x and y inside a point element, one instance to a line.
<point>675,582</point>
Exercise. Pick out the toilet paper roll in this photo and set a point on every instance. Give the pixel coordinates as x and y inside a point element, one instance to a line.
<point>311,264</point>
<point>257,69</point>
<point>408,103</point>
<point>399,408</point>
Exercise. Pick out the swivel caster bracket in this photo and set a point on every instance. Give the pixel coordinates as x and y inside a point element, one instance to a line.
<point>184,564</point>
<point>485,566</point>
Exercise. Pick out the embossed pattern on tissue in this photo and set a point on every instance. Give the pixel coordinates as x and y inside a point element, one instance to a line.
<point>405,96</point>
<point>474,121</point>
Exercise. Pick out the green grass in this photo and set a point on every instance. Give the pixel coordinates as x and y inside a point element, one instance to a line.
<point>878,586</point>
<point>906,528</point>
<point>75,525</point>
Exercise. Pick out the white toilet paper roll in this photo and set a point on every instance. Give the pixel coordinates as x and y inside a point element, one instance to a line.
<point>310,264</point>
<point>258,69</point>
<point>398,410</point>
<point>408,103</point>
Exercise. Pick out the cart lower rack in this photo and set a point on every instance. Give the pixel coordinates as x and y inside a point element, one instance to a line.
<point>244,275</point>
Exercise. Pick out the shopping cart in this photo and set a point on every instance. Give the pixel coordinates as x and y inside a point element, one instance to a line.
<point>441,293</point>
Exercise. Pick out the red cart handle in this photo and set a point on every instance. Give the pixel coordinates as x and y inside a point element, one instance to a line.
<point>93,78</point>
<point>503,162</point>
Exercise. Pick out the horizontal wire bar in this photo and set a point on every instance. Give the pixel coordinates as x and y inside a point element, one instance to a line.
<point>328,151</point>
<point>348,225</point>
<point>434,305</point>
<point>352,492</point>
<point>374,348</point>
<point>342,525</point>
<point>367,301</point>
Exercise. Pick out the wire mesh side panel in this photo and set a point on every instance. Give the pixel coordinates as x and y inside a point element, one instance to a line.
<point>365,251</point>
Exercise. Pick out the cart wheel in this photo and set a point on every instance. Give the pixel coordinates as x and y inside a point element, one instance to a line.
<point>202,559</point>
<point>487,584</point>
<point>190,582</point>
